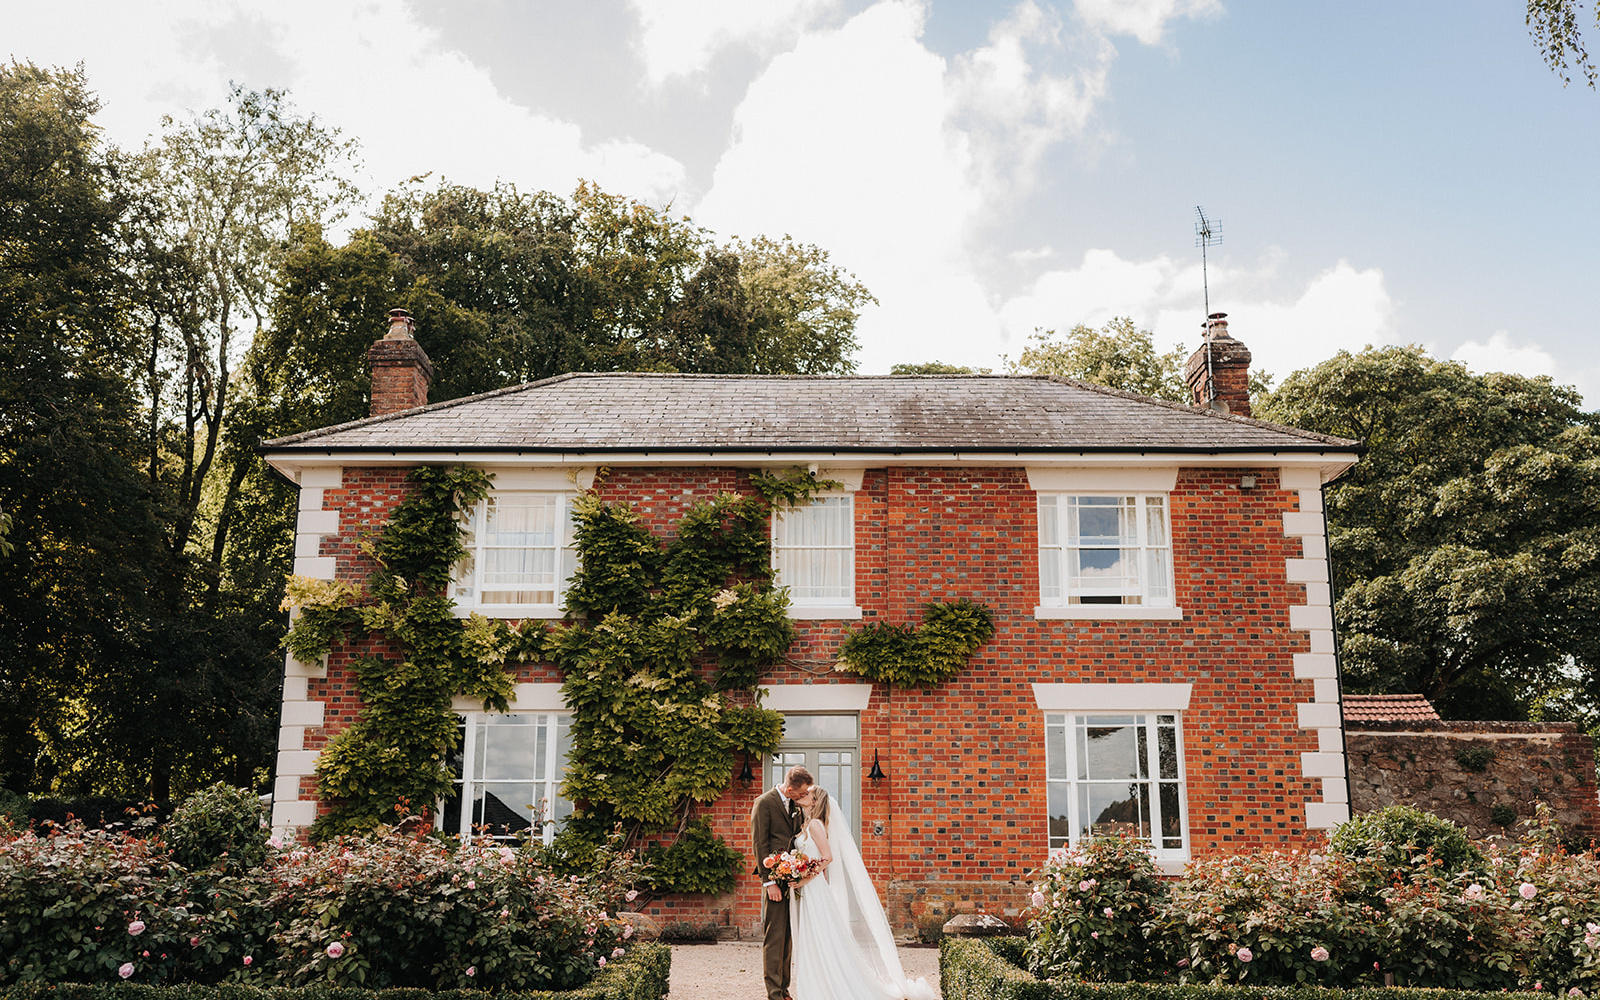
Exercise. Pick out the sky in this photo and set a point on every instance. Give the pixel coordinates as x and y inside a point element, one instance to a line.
<point>1384,173</point>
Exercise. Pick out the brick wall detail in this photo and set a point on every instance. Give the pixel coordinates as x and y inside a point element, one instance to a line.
<point>960,821</point>
<point>1430,765</point>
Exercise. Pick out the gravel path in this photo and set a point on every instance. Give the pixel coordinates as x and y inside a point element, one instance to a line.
<point>732,970</point>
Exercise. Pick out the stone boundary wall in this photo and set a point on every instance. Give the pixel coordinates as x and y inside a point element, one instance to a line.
<point>1484,775</point>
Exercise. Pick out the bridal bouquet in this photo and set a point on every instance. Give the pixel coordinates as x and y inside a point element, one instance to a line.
<point>791,868</point>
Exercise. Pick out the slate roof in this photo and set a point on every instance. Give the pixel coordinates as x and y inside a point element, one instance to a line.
<point>626,411</point>
<point>1388,708</point>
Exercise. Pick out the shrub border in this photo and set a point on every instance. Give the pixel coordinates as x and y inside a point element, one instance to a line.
<point>991,969</point>
<point>642,974</point>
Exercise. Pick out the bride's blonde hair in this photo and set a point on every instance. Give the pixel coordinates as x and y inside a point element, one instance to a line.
<point>821,804</point>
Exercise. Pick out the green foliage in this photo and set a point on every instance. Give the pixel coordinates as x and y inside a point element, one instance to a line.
<point>934,368</point>
<point>1396,834</point>
<point>652,735</point>
<point>216,825</point>
<point>696,861</point>
<point>396,751</point>
<point>380,913</point>
<point>1466,543</point>
<point>1475,758</point>
<point>1553,25</point>
<point>1503,814</point>
<point>1119,355</point>
<point>919,657</point>
<point>1094,910</point>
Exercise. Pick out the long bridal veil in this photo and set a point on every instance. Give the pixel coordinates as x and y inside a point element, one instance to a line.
<point>863,914</point>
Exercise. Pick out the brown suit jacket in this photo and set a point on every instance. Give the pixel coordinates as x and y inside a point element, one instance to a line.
<point>773,827</point>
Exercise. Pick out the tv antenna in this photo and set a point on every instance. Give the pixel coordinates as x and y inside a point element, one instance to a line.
<point>1207,233</point>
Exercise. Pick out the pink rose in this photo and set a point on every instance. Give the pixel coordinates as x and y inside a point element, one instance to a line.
<point>1474,892</point>
<point>1037,899</point>
<point>136,928</point>
<point>507,856</point>
<point>1107,912</point>
<point>504,914</point>
<point>1095,935</point>
<point>616,952</point>
<point>194,942</point>
<point>1527,891</point>
<point>1319,954</point>
<point>1574,992</point>
<point>472,883</point>
<point>631,895</point>
<point>274,841</point>
<point>472,970</point>
<point>1084,886</point>
<point>125,970</point>
<point>1244,954</point>
<point>1538,985</point>
<point>627,932</point>
<point>336,949</point>
<point>248,960</point>
<point>602,961</point>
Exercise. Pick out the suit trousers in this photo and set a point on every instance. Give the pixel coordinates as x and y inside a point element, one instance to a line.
<point>776,946</point>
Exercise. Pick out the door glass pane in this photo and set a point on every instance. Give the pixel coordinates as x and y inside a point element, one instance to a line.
<point>779,764</point>
<point>819,728</point>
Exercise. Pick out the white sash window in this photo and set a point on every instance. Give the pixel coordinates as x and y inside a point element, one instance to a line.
<point>814,551</point>
<point>1104,549</point>
<point>1117,774</point>
<point>520,555</point>
<point>508,775</point>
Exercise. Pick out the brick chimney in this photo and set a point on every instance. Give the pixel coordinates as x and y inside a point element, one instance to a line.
<point>1218,374</point>
<point>401,370</point>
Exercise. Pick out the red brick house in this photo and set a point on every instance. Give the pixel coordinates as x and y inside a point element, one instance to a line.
<point>1163,661</point>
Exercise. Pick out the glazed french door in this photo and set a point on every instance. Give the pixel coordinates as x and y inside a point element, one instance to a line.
<point>829,747</point>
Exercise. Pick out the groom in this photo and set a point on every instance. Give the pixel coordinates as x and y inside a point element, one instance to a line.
<point>775,820</point>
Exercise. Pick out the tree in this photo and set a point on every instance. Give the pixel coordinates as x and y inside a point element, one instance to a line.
<point>85,544</point>
<point>1466,543</point>
<point>1554,27</point>
<point>934,368</point>
<point>1118,355</point>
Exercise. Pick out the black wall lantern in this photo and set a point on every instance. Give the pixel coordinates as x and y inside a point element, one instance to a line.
<point>877,772</point>
<point>745,774</point>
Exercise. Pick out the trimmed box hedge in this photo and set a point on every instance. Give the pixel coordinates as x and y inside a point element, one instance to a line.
<point>995,969</point>
<point>642,974</point>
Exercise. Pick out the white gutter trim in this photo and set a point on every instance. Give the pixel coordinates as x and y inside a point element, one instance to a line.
<point>1330,463</point>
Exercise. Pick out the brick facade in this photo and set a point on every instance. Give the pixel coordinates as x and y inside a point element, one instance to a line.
<point>962,812</point>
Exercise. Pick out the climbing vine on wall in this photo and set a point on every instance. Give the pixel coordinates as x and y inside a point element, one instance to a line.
<point>397,748</point>
<point>907,656</point>
<point>657,638</point>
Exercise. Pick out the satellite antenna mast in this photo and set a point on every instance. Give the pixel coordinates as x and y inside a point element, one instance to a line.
<point>1207,233</point>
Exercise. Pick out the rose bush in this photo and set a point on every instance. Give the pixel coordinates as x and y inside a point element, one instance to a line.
<point>1095,906</point>
<point>89,906</point>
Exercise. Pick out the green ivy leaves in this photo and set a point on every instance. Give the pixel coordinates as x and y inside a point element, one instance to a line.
<point>919,657</point>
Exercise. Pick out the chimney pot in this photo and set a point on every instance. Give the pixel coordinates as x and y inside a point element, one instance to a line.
<point>401,371</point>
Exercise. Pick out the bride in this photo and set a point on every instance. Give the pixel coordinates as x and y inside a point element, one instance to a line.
<point>842,948</point>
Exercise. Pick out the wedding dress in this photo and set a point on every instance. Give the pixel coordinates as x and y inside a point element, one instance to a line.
<point>842,947</point>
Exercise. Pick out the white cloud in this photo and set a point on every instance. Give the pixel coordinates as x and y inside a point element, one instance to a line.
<point>1286,327</point>
<point>1145,20</point>
<point>863,141</point>
<point>679,38</point>
<point>1500,354</point>
<point>372,68</point>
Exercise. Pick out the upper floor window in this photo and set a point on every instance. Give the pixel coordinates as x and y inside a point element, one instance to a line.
<point>1104,549</point>
<point>508,773</point>
<point>1117,775</point>
<point>520,554</point>
<point>814,551</point>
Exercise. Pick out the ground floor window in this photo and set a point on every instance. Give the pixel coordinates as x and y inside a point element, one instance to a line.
<point>1118,775</point>
<point>508,772</point>
<point>827,746</point>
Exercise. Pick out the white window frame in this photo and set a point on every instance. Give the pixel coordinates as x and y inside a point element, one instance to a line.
<point>843,606</point>
<point>551,779</point>
<point>1065,725</point>
<point>565,554</point>
<point>1056,504</point>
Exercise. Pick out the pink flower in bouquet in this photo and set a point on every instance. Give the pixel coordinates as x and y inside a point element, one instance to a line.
<point>125,970</point>
<point>1527,890</point>
<point>136,928</point>
<point>1037,898</point>
<point>336,949</point>
<point>1319,954</point>
<point>1244,955</point>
